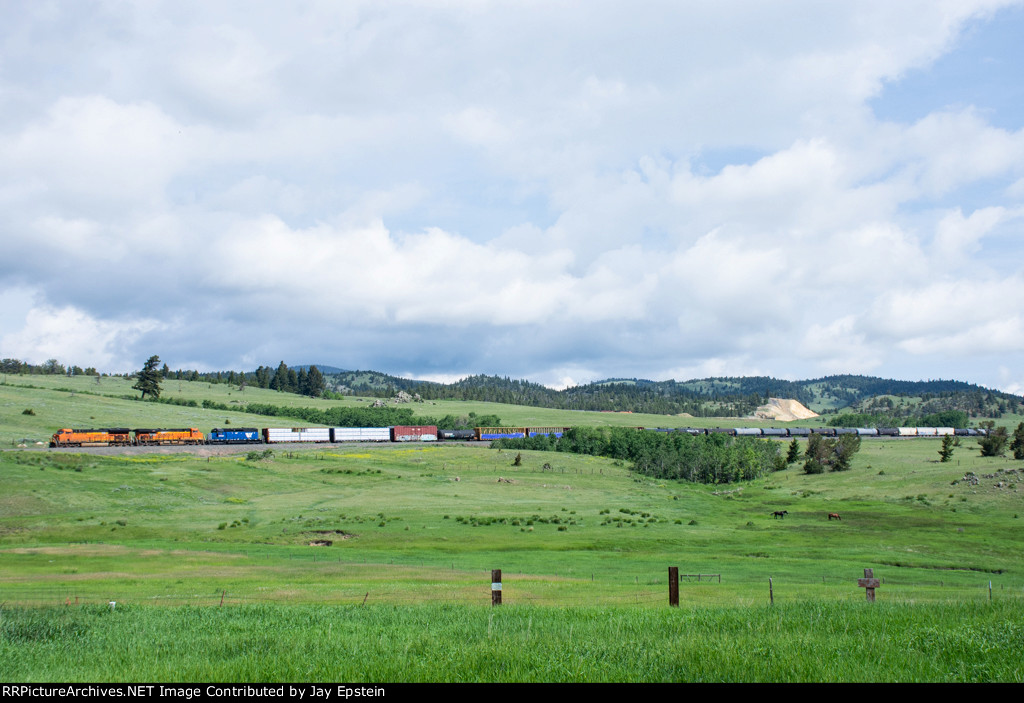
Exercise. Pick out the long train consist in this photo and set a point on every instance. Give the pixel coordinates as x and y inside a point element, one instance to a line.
<point>123,437</point>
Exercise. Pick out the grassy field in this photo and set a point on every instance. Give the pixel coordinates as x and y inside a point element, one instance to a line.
<point>811,641</point>
<point>583,544</point>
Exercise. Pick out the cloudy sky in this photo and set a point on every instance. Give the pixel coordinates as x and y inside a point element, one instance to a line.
<point>560,191</point>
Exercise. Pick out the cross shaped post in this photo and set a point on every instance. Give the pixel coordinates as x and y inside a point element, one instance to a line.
<point>869,583</point>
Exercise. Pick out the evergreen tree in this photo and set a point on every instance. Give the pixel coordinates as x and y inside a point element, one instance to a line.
<point>149,378</point>
<point>315,383</point>
<point>1017,445</point>
<point>844,447</point>
<point>994,443</point>
<point>793,455</point>
<point>946,452</point>
<point>280,380</point>
<point>815,455</point>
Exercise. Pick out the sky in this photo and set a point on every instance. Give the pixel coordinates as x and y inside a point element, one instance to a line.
<point>562,191</point>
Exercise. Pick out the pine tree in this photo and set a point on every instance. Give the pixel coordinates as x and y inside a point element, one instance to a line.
<point>280,380</point>
<point>315,383</point>
<point>946,452</point>
<point>844,447</point>
<point>815,455</point>
<point>793,455</point>
<point>993,443</point>
<point>149,378</point>
<point>1017,445</point>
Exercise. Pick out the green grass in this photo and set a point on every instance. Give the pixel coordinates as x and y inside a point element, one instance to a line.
<point>811,641</point>
<point>88,525</point>
<point>584,549</point>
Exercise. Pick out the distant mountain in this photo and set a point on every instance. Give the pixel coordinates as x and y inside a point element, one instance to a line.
<point>737,396</point>
<point>708,397</point>
<point>323,369</point>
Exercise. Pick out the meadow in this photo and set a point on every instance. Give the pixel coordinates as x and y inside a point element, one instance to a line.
<point>220,569</point>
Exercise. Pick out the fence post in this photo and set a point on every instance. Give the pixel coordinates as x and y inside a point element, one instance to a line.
<point>771,592</point>
<point>869,583</point>
<point>673,586</point>
<point>495,587</point>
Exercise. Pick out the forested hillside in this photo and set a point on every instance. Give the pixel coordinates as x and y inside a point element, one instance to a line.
<point>866,396</point>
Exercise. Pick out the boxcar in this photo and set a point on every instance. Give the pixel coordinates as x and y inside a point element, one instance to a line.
<point>414,433</point>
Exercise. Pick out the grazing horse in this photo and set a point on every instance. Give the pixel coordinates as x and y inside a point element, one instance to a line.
<point>780,513</point>
<point>834,516</point>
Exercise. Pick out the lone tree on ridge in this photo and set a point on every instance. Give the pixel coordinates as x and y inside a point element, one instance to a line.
<point>149,378</point>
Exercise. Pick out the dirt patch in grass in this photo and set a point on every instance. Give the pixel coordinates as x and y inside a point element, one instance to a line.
<point>320,537</point>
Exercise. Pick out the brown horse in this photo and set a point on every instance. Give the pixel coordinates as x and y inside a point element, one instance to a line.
<point>834,516</point>
<point>780,513</point>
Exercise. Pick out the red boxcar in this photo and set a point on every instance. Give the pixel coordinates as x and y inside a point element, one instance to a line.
<point>414,433</point>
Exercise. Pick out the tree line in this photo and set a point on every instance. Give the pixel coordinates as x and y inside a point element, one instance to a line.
<point>713,458</point>
<point>52,367</point>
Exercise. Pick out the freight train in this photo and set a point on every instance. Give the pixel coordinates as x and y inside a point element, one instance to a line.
<point>123,437</point>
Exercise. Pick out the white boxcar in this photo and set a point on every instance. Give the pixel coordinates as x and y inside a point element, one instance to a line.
<point>908,432</point>
<point>360,434</point>
<point>276,435</point>
<point>943,431</point>
<point>925,431</point>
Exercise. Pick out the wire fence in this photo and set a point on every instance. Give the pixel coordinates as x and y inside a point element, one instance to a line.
<point>517,589</point>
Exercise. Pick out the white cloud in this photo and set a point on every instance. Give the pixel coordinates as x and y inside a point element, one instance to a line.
<point>838,346</point>
<point>75,337</point>
<point>91,147</point>
<point>580,189</point>
<point>957,236</point>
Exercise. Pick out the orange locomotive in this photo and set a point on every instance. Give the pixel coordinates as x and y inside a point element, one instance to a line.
<point>111,437</point>
<point>182,436</point>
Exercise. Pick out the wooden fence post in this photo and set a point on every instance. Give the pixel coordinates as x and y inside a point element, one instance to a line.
<point>495,587</point>
<point>771,593</point>
<point>869,583</point>
<point>673,586</point>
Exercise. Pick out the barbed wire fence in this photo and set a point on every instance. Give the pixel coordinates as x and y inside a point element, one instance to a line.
<point>520,588</point>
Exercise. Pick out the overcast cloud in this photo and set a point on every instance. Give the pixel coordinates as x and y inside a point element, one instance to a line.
<point>562,191</point>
